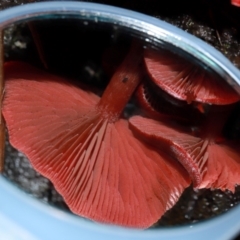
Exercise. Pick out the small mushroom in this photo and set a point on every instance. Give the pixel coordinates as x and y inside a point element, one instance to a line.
<point>186,81</point>
<point>84,146</point>
<point>211,160</point>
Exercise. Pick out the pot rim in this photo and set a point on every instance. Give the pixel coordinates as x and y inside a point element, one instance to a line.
<point>17,209</point>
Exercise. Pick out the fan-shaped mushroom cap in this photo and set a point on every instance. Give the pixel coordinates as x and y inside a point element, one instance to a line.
<point>185,81</point>
<point>210,164</point>
<point>187,149</point>
<point>223,167</point>
<point>101,169</point>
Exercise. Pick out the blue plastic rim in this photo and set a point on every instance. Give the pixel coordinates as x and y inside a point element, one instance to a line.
<point>25,218</point>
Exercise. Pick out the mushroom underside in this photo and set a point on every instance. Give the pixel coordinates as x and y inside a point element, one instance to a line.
<point>209,164</point>
<point>100,168</point>
<point>185,81</point>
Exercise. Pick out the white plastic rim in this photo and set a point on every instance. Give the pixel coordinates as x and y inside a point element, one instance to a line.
<point>25,218</point>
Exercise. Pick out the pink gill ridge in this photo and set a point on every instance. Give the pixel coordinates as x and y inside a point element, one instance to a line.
<point>209,164</point>
<point>188,150</point>
<point>101,169</point>
<point>185,81</point>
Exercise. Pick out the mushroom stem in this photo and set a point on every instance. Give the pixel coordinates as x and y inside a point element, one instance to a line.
<point>2,124</point>
<point>122,85</point>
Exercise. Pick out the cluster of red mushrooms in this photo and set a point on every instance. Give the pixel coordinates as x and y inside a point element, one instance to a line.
<point>126,171</point>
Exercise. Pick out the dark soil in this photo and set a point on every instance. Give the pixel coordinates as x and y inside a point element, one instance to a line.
<point>214,21</point>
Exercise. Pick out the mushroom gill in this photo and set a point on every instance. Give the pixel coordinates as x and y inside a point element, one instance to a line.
<point>186,81</point>
<point>211,160</point>
<point>83,145</point>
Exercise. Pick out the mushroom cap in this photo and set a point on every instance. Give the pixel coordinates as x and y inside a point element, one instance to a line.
<point>157,104</point>
<point>209,164</point>
<point>101,169</point>
<point>187,149</point>
<point>223,166</point>
<point>186,81</point>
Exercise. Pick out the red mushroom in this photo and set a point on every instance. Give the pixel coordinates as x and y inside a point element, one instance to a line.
<point>204,156</point>
<point>83,145</point>
<point>186,81</point>
<point>211,160</point>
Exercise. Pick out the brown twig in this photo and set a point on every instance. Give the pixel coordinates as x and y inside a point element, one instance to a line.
<point>2,123</point>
